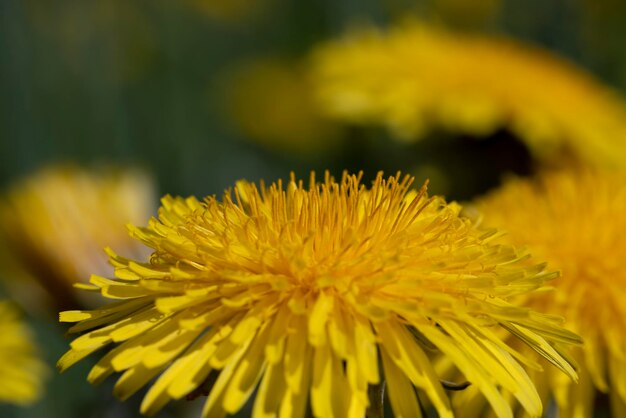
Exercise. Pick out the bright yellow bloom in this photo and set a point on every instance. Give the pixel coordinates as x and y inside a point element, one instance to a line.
<point>577,222</point>
<point>55,224</point>
<point>416,78</point>
<point>301,289</point>
<point>21,371</point>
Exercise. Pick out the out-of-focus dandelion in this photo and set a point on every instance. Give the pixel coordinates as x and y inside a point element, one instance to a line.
<point>270,101</point>
<point>55,224</point>
<point>313,294</point>
<point>22,373</point>
<point>417,77</point>
<point>577,222</point>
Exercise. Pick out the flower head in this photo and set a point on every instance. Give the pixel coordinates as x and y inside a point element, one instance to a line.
<point>55,223</point>
<point>302,290</point>
<point>21,371</point>
<point>417,77</point>
<point>576,221</point>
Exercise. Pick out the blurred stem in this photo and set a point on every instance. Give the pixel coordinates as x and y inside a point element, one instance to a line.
<point>376,395</point>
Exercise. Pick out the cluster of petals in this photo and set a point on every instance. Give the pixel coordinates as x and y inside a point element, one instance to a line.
<point>579,220</point>
<point>311,294</point>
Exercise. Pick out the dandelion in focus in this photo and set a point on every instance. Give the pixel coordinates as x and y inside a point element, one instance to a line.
<point>417,78</point>
<point>576,221</point>
<point>303,290</point>
<point>55,224</point>
<point>21,371</point>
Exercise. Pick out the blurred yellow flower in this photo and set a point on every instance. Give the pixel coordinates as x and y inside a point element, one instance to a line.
<point>55,224</point>
<point>301,289</point>
<point>21,371</point>
<point>417,77</point>
<point>270,101</point>
<point>577,222</point>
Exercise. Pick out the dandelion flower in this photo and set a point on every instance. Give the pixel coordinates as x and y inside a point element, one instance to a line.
<point>302,290</point>
<point>417,78</point>
<point>21,371</point>
<point>576,221</point>
<point>55,223</point>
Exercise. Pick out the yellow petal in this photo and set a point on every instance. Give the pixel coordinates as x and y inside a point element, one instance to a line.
<point>400,391</point>
<point>271,391</point>
<point>407,355</point>
<point>214,405</point>
<point>318,317</point>
<point>247,374</point>
<point>473,371</point>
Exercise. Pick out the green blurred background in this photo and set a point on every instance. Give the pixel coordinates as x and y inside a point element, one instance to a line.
<point>141,83</point>
<point>138,82</point>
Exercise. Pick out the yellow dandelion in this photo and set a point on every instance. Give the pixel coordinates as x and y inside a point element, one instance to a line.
<point>21,371</point>
<point>313,295</point>
<point>55,223</point>
<point>576,221</point>
<point>417,77</point>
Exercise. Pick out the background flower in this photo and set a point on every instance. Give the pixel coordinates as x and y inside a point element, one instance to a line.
<point>21,371</point>
<point>575,220</point>
<point>418,77</point>
<point>55,224</point>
